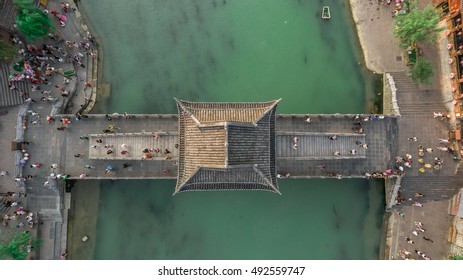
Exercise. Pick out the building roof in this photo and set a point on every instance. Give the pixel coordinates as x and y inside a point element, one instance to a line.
<point>226,146</point>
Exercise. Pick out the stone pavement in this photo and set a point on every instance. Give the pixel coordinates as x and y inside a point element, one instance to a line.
<point>417,104</point>
<point>49,203</point>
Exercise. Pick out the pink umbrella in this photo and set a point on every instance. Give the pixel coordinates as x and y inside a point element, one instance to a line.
<point>63,18</point>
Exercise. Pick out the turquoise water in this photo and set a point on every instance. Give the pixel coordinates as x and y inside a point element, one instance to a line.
<point>233,51</point>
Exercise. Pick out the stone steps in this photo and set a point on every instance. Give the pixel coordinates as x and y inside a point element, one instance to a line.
<point>10,97</point>
<point>421,108</point>
<point>432,186</point>
<point>404,83</point>
<point>7,13</point>
<point>3,208</point>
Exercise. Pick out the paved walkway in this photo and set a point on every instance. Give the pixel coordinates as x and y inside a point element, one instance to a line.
<point>417,104</point>
<point>48,203</point>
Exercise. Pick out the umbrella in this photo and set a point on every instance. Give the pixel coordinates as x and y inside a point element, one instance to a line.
<point>109,167</point>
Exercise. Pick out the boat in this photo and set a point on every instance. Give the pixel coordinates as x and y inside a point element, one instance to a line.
<point>326,12</point>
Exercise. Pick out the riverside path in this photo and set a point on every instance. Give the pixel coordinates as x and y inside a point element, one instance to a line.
<point>314,157</point>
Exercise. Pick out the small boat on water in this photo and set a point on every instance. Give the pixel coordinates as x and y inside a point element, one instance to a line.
<point>326,12</point>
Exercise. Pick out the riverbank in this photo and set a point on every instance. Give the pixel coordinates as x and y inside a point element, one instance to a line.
<point>374,28</point>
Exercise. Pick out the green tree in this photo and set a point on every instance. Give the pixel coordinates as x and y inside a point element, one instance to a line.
<point>422,71</point>
<point>416,26</point>
<point>17,248</point>
<point>7,51</point>
<point>457,258</point>
<point>32,22</point>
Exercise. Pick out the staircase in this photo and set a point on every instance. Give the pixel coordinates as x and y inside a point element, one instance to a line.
<point>404,83</point>
<point>7,13</point>
<point>3,208</point>
<point>10,97</point>
<point>421,108</point>
<point>433,187</point>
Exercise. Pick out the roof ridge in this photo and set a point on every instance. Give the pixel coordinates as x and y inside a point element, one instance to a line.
<point>269,183</point>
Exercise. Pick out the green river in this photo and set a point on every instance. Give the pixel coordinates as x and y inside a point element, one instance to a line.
<point>230,50</point>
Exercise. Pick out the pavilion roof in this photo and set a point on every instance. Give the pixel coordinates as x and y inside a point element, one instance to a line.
<point>226,146</point>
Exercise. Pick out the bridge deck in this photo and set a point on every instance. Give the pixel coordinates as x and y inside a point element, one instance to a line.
<point>318,146</point>
<point>160,146</point>
<point>314,147</point>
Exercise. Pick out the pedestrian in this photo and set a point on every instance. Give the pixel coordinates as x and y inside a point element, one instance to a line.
<point>89,166</point>
<point>78,155</point>
<point>108,117</point>
<point>414,138</point>
<point>337,153</point>
<point>83,137</point>
<point>99,141</point>
<point>124,146</point>
<point>409,241</point>
<point>83,175</point>
<point>36,165</point>
<point>365,146</point>
<point>443,141</point>
<point>428,239</point>
<point>166,171</point>
<point>352,152</point>
<point>429,150</point>
<point>417,204</point>
<point>125,165</point>
<point>124,152</point>
<point>108,152</point>
<point>444,149</point>
<point>308,120</point>
<point>3,173</point>
<point>94,146</point>
<point>334,137</point>
<point>295,139</point>
<point>294,146</point>
<point>54,166</point>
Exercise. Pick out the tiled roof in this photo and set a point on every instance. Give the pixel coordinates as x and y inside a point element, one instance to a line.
<point>226,146</point>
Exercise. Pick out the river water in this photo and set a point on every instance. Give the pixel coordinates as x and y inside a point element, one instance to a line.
<point>224,50</point>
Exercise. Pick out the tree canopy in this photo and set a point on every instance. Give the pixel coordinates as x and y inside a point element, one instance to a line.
<point>422,71</point>
<point>17,248</point>
<point>32,22</point>
<point>417,25</point>
<point>7,51</point>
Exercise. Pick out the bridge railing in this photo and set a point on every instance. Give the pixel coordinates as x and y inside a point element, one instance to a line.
<point>391,83</point>
<point>18,155</point>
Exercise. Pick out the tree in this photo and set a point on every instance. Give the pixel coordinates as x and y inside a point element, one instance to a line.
<point>33,22</point>
<point>7,51</point>
<point>18,247</point>
<point>457,258</point>
<point>422,71</point>
<point>416,26</point>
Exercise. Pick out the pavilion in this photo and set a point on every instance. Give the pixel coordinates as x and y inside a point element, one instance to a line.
<point>226,146</point>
